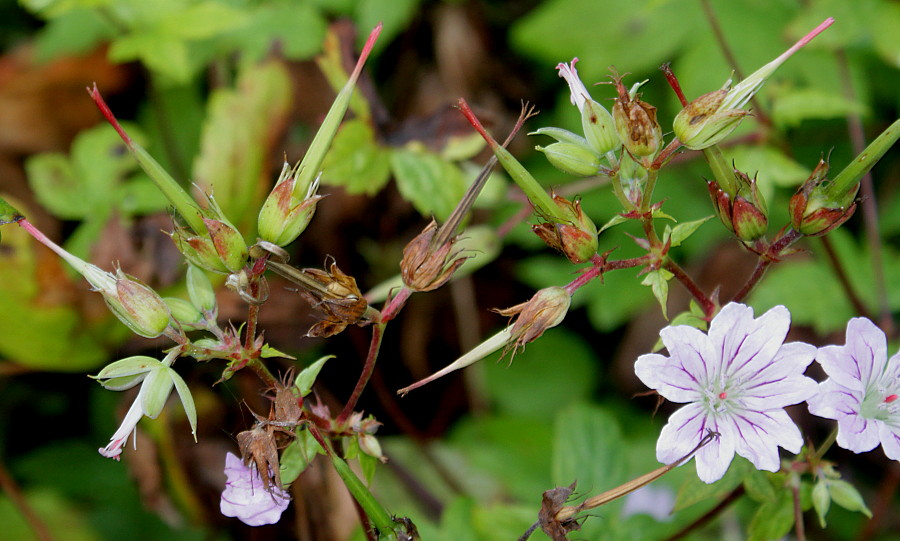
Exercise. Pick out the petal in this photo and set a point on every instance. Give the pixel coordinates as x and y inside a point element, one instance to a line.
<point>245,498</point>
<point>890,440</point>
<point>857,434</point>
<point>779,382</point>
<point>834,401</point>
<point>714,459</point>
<point>746,344</point>
<point>579,93</point>
<point>667,377</point>
<point>860,360</point>
<point>692,350</point>
<point>759,434</point>
<point>686,428</point>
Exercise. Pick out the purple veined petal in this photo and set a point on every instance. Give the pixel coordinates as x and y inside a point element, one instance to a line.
<point>857,434</point>
<point>780,382</point>
<point>890,440</point>
<point>692,350</point>
<point>861,359</point>
<point>666,376</point>
<point>759,434</point>
<point>686,427</point>
<point>892,371</point>
<point>714,458</point>
<point>245,497</point>
<point>834,401</point>
<point>749,344</point>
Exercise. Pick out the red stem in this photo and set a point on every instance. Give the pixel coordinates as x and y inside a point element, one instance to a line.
<point>108,114</point>
<point>709,307</point>
<point>368,368</point>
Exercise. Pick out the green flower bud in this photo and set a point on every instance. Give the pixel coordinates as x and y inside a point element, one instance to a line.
<point>572,158</point>
<point>576,238</point>
<point>155,390</point>
<point>282,217</point>
<point>228,243</point>
<point>185,313</point>
<point>138,306</point>
<point>813,212</point>
<point>198,250</point>
<point>201,292</point>
<point>599,128</point>
<point>744,214</point>
<point>704,122</point>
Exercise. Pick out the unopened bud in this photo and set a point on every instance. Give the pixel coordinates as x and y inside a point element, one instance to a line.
<point>635,122</point>
<point>201,292</point>
<point>425,267</point>
<point>185,313</point>
<point>599,128</point>
<point>283,217</point>
<point>572,158</point>
<point>745,213</point>
<point>813,213</point>
<point>198,250</point>
<point>228,243</point>
<point>704,122</point>
<point>139,307</point>
<point>576,238</point>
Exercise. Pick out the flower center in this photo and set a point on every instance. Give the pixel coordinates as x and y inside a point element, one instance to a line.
<point>880,404</point>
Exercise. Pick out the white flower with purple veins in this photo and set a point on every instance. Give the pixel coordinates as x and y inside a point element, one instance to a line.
<point>736,381</point>
<point>861,392</point>
<point>246,498</point>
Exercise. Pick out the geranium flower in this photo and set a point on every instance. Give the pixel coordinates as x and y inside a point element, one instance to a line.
<point>861,392</point>
<point>736,381</point>
<point>246,498</point>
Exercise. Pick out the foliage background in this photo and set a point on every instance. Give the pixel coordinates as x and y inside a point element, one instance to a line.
<point>471,454</point>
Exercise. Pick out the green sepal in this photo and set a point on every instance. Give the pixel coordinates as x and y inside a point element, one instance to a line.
<point>187,401</point>
<point>678,234</point>
<point>307,377</point>
<point>125,373</point>
<point>658,281</point>
<point>8,213</point>
<point>847,496</point>
<point>821,498</point>
<point>155,390</point>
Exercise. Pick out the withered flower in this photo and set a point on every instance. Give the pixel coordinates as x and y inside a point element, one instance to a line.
<point>427,265</point>
<point>545,310</point>
<point>332,293</point>
<point>635,122</point>
<point>576,239</point>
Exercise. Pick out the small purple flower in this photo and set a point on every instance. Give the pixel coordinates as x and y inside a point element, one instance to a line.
<point>245,498</point>
<point>736,381</point>
<point>861,392</point>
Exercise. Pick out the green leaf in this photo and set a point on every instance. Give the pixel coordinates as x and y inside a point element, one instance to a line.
<point>8,213</point>
<point>692,317</point>
<point>267,352</point>
<point>615,220</point>
<point>694,491</point>
<point>847,496</point>
<point>759,486</point>
<point>355,161</point>
<point>297,456</point>
<point>393,14</point>
<point>75,33</point>
<point>588,447</point>
<point>682,231</point>
<point>432,185</point>
<point>658,281</point>
<point>792,109</point>
<point>201,20</point>
<point>298,28</point>
<point>773,519</point>
<point>307,377</point>
<point>159,52</point>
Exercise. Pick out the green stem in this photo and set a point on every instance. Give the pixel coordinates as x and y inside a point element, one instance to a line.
<point>826,445</point>
<point>846,180</point>
<point>721,170</point>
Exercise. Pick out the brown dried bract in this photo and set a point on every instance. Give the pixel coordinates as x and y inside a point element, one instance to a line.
<point>258,448</point>
<point>552,501</point>
<point>339,299</point>
<point>426,267</point>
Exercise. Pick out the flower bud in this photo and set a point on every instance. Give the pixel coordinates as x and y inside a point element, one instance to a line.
<point>575,238</point>
<point>632,178</point>
<point>198,250</point>
<point>572,158</point>
<point>599,128</point>
<point>282,217</point>
<point>228,243</point>
<point>812,212</point>
<point>635,122</point>
<point>185,313</point>
<point>704,122</point>
<point>137,306</point>
<point>745,214</point>
<point>201,292</point>
<point>425,267</point>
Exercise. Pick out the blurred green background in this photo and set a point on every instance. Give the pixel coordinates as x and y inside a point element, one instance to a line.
<point>223,91</point>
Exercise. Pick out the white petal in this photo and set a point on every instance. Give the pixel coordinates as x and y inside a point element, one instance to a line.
<point>779,383</point>
<point>748,344</point>
<point>666,376</point>
<point>834,401</point>
<point>685,429</point>
<point>890,440</point>
<point>759,434</point>
<point>860,360</point>
<point>857,434</point>
<point>693,351</point>
<point>714,458</point>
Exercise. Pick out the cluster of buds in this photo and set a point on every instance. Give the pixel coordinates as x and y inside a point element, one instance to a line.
<point>573,153</point>
<point>283,216</point>
<point>365,430</point>
<point>813,212</point>
<point>202,309</point>
<point>743,212</point>
<point>221,248</point>
<point>576,237</point>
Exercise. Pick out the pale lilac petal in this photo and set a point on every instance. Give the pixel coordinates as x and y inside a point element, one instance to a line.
<point>833,401</point>
<point>747,344</point>
<point>863,357</point>
<point>759,434</point>
<point>857,434</point>
<point>685,429</point>
<point>692,350</point>
<point>579,94</point>
<point>890,440</point>
<point>780,382</point>
<point>666,376</point>
<point>714,458</point>
<point>246,498</point>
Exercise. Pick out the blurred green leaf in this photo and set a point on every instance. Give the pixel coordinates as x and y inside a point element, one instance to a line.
<point>238,137</point>
<point>790,109</point>
<point>296,28</point>
<point>847,496</point>
<point>395,15</point>
<point>694,491</point>
<point>556,370</point>
<point>772,166</point>
<point>431,184</point>
<point>355,161</point>
<point>63,519</point>
<point>773,519</point>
